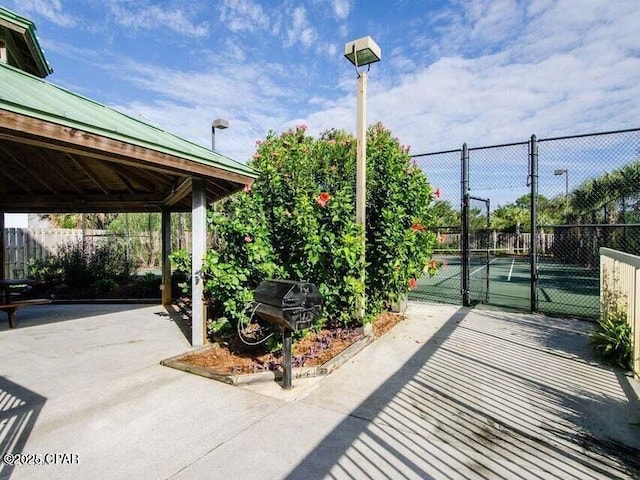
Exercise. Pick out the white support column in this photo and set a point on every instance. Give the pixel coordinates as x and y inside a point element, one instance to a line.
<point>199,246</point>
<point>167,294</point>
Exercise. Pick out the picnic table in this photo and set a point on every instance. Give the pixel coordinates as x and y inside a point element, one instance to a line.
<point>11,305</point>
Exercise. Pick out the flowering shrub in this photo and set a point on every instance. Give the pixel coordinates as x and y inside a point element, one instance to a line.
<point>297,221</point>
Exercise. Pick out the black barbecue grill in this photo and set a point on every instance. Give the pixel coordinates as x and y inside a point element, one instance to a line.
<point>292,306</point>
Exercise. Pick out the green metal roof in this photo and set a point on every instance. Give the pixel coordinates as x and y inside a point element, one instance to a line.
<point>28,95</point>
<point>27,29</point>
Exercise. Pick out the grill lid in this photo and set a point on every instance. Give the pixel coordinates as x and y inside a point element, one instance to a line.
<point>288,294</point>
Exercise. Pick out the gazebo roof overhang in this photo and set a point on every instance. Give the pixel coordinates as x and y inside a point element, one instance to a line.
<point>61,152</point>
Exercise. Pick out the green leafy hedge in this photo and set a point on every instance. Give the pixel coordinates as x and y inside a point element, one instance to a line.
<point>297,221</point>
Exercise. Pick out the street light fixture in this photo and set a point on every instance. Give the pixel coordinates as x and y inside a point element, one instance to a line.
<point>362,52</point>
<point>565,172</point>
<point>220,124</point>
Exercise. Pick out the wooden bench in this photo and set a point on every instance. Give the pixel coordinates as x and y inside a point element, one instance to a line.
<point>12,307</point>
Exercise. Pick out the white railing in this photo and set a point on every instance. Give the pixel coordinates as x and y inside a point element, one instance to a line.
<point>620,273</point>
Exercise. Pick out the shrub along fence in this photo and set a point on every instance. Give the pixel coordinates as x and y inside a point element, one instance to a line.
<point>24,244</point>
<point>620,282</point>
<point>27,244</point>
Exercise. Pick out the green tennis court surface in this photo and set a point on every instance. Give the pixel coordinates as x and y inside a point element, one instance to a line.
<point>504,281</point>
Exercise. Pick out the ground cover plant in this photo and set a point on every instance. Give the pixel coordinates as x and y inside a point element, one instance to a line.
<point>612,339</point>
<point>297,221</point>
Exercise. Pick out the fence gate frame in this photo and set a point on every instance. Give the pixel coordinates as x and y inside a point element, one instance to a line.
<point>465,227</point>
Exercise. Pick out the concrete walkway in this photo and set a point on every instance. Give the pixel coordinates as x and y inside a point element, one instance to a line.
<point>451,393</point>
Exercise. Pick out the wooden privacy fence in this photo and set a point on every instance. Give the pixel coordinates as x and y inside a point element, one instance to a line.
<point>620,273</point>
<point>23,244</point>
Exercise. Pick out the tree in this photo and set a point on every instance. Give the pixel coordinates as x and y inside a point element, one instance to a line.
<point>511,218</point>
<point>297,221</point>
<point>445,215</point>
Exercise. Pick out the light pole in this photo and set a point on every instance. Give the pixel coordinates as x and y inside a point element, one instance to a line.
<point>220,124</point>
<point>565,172</point>
<point>362,52</point>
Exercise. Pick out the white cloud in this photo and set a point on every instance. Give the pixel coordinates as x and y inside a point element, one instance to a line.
<point>300,30</point>
<point>552,68</point>
<point>251,96</point>
<point>193,122</point>
<point>68,50</point>
<point>154,17</point>
<point>341,8</point>
<point>51,10</point>
<point>565,72</point>
<point>493,21</point>
<point>240,15</point>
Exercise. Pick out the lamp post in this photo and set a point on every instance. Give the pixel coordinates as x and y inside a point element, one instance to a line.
<point>565,172</point>
<point>220,124</point>
<point>362,52</point>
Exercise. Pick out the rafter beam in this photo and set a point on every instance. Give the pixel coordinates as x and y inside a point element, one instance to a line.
<point>29,171</point>
<point>145,178</point>
<point>16,180</point>
<point>178,193</point>
<point>55,168</point>
<point>125,181</point>
<point>99,183</point>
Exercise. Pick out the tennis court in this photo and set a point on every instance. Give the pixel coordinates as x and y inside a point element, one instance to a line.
<point>501,280</point>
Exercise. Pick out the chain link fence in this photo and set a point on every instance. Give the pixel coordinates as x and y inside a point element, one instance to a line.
<point>443,172</point>
<point>589,197</point>
<point>543,255</point>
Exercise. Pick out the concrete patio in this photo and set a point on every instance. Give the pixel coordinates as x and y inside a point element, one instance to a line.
<point>450,393</point>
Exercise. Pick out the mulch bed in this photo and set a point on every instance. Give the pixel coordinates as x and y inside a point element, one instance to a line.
<point>233,357</point>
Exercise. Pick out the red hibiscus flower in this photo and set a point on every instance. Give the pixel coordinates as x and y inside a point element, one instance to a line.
<point>323,199</point>
<point>418,227</point>
<point>413,284</point>
<point>432,264</point>
<point>437,193</point>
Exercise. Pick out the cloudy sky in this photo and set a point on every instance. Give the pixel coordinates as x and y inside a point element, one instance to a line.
<point>475,71</point>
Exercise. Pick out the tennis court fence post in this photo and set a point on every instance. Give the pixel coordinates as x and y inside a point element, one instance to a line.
<point>464,230</point>
<point>533,252</point>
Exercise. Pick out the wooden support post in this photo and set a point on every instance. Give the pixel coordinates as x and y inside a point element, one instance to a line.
<point>167,294</point>
<point>199,246</point>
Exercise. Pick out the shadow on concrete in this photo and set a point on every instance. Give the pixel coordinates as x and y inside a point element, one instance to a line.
<point>180,319</point>
<point>19,410</point>
<point>486,397</point>
<point>54,313</point>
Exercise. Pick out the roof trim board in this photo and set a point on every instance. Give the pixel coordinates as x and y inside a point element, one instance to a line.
<point>40,133</point>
